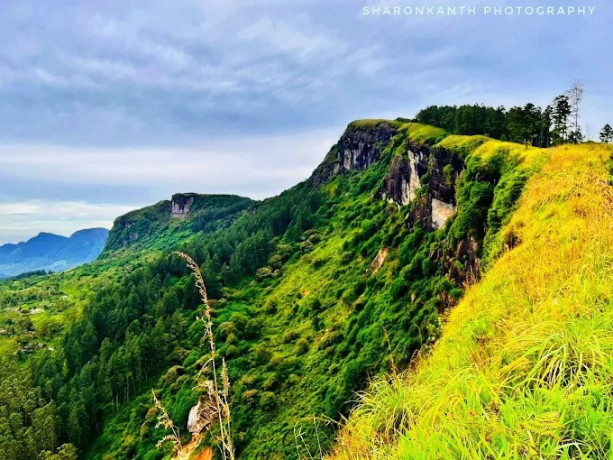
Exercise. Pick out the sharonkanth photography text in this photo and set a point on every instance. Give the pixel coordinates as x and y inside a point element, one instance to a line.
<point>483,10</point>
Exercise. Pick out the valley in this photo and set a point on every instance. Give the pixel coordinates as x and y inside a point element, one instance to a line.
<point>396,272</point>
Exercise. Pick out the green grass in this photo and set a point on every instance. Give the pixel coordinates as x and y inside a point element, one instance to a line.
<point>372,123</point>
<point>304,321</point>
<point>423,134</point>
<point>524,367</point>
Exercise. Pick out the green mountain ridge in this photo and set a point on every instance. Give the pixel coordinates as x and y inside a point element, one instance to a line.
<point>342,277</point>
<point>164,224</point>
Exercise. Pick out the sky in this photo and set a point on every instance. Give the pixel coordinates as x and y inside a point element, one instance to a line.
<point>109,106</point>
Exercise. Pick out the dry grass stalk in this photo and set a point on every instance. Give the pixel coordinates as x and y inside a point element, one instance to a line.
<point>218,393</point>
<point>164,421</point>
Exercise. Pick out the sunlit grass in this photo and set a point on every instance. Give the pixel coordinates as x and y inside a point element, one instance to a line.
<point>423,134</point>
<point>524,368</point>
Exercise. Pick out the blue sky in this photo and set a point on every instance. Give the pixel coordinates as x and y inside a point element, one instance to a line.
<point>109,106</point>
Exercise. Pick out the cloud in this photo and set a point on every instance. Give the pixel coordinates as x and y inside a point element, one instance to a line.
<point>213,166</point>
<point>59,188</point>
<point>127,102</point>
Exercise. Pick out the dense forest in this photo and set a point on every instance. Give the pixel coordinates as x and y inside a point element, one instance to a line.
<point>312,293</point>
<point>555,124</point>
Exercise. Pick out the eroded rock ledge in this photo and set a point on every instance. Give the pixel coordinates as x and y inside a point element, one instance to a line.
<point>434,169</point>
<point>181,204</point>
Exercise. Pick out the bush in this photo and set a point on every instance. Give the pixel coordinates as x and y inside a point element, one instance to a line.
<point>262,354</point>
<point>263,273</point>
<point>268,400</point>
<point>250,396</point>
<point>353,374</point>
<point>302,346</point>
<point>290,336</point>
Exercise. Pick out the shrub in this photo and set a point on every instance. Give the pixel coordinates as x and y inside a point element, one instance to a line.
<point>262,354</point>
<point>250,396</point>
<point>268,400</point>
<point>263,273</point>
<point>302,346</point>
<point>290,336</point>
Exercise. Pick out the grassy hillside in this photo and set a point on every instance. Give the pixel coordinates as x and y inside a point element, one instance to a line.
<point>314,292</point>
<point>319,318</point>
<point>524,367</point>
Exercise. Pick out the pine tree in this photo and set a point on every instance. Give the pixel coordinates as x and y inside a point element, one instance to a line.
<point>560,111</point>
<point>606,135</point>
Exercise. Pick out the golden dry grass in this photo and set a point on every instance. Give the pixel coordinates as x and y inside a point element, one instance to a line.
<point>524,367</point>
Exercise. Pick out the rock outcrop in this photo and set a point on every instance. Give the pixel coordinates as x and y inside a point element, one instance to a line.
<point>377,262</point>
<point>420,166</point>
<point>181,204</point>
<point>404,177</point>
<point>360,146</point>
<point>441,212</point>
<point>201,416</point>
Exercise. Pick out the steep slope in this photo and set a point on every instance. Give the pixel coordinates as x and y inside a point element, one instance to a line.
<point>47,251</point>
<point>167,223</point>
<point>524,366</point>
<point>350,275</point>
<point>336,280</point>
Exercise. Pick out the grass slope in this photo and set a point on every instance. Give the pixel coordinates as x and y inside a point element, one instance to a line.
<point>300,343</point>
<point>302,316</point>
<point>524,368</point>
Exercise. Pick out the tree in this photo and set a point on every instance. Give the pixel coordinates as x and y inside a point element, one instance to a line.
<point>560,111</point>
<point>575,96</point>
<point>606,135</point>
<point>529,125</point>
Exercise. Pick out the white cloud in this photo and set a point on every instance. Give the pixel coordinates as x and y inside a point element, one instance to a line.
<point>242,166</point>
<point>23,219</point>
<point>215,165</point>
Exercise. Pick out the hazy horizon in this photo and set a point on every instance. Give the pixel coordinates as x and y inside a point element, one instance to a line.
<point>115,106</point>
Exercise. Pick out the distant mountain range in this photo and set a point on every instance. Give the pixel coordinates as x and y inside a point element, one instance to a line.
<point>51,252</point>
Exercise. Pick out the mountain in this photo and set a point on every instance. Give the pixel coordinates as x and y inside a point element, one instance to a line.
<point>50,252</point>
<point>461,284</point>
<point>168,222</point>
<point>523,366</point>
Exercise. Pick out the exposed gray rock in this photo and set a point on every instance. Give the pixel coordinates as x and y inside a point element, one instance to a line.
<point>201,416</point>
<point>441,212</point>
<point>359,147</point>
<point>403,179</point>
<point>181,204</point>
<point>414,183</point>
<point>398,182</point>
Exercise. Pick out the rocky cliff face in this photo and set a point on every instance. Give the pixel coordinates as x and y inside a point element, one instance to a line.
<point>437,169</point>
<point>181,204</point>
<point>363,144</point>
<point>404,177</point>
<point>360,146</point>
<point>419,175</point>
